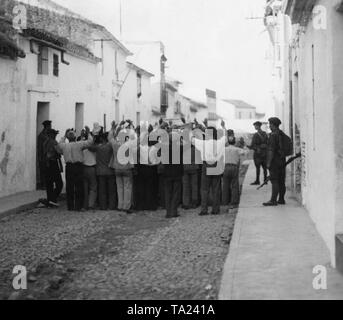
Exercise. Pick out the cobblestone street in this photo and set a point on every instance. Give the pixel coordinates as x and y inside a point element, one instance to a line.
<point>111,255</point>
<point>108,255</point>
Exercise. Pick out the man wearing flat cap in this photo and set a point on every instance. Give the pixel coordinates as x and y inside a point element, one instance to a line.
<point>41,170</point>
<point>259,145</point>
<point>276,164</point>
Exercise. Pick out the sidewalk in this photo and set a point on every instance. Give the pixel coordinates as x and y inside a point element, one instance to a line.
<point>19,202</point>
<point>273,252</point>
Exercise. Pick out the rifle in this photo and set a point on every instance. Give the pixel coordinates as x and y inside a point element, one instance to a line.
<point>289,161</point>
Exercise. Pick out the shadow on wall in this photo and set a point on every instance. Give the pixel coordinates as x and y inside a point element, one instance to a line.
<point>6,156</point>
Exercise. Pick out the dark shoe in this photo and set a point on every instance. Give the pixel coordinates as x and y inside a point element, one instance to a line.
<point>44,202</point>
<point>186,207</point>
<point>256,183</point>
<point>203,214</point>
<point>129,211</point>
<point>215,213</point>
<point>270,204</point>
<point>54,204</point>
<point>282,202</point>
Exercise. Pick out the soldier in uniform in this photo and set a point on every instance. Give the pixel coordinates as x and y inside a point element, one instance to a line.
<point>41,140</point>
<point>53,179</point>
<point>259,145</point>
<point>276,164</point>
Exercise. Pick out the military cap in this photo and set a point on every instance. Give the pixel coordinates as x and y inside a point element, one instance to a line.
<point>258,123</point>
<point>275,121</point>
<point>46,123</point>
<point>230,133</point>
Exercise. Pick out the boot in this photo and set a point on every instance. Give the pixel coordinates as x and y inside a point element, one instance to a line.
<point>256,183</point>
<point>270,204</point>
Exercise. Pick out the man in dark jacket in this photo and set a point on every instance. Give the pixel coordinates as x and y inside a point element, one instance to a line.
<point>259,145</point>
<point>172,174</point>
<point>53,169</point>
<point>192,158</point>
<point>105,175</point>
<point>276,162</point>
<point>41,168</point>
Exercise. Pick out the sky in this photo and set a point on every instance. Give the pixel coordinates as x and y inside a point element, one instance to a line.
<point>209,43</point>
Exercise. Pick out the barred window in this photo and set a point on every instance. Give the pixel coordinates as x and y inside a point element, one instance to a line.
<point>43,60</point>
<point>139,85</point>
<point>56,64</point>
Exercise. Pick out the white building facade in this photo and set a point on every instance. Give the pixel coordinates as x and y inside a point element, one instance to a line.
<point>74,73</point>
<point>315,100</point>
<point>136,94</point>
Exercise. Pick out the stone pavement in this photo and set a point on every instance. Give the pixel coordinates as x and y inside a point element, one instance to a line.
<point>19,202</point>
<point>273,252</point>
<point>112,255</point>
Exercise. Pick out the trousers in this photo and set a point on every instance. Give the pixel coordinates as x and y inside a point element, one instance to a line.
<point>172,193</point>
<point>90,187</point>
<point>260,162</point>
<point>124,190</point>
<point>190,189</point>
<point>278,180</point>
<point>231,185</point>
<point>208,184</point>
<point>107,192</point>
<point>74,186</point>
<point>53,179</point>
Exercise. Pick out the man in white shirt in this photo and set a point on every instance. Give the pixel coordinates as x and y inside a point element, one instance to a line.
<point>90,185</point>
<point>73,156</point>
<point>233,159</point>
<point>212,147</point>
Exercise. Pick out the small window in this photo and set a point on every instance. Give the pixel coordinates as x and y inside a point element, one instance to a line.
<point>56,65</point>
<point>139,85</point>
<point>43,60</point>
<point>178,107</point>
<point>79,117</point>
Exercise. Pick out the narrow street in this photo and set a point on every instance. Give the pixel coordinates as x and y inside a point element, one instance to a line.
<point>111,255</point>
<point>171,150</point>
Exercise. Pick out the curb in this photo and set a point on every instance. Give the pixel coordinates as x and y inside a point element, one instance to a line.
<point>226,287</point>
<point>19,209</point>
<point>27,206</point>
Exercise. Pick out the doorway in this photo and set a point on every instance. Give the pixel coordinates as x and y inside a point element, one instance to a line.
<point>79,118</point>
<point>43,114</point>
<point>138,119</point>
<point>298,165</point>
<point>116,111</point>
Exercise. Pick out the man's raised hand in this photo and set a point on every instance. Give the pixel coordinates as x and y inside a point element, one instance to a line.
<point>113,125</point>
